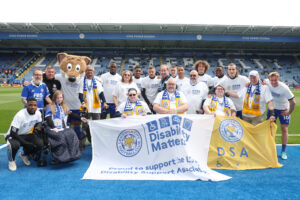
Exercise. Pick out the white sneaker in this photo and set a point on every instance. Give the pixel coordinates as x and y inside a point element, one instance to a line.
<point>24,159</point>
<point>12,165</point>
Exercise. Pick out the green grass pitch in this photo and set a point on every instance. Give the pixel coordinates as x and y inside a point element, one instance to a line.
<point>10,104</point>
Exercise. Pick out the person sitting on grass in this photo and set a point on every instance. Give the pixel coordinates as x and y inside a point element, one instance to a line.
<point>23,132</point>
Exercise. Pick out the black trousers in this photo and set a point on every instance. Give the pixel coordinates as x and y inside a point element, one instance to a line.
<point>16,144</point>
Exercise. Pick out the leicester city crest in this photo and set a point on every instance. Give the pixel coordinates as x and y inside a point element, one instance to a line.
<point>256,99</point>
<point>165,104</point>
<point>129,142</point>
<point>140,110</point>
<point>231,130</point>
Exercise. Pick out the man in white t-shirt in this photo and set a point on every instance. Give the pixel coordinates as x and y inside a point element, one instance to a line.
<point>165,75</point>
<point>91,95</point>
<point>182,81</point>
<point>150,86</point>
<point>219,75</point>
<point>234,83</point>
<point>201,66</point>
<point>173,71</point>
<point>137,76</point>
<point>255,97</point>
<point>196,92</point>
<point>170,101</point>
<point>22,133</point>
<point>284,104</point>
<point>110,80</point>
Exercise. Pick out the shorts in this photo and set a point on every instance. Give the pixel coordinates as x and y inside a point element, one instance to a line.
<point>239,114</point>
<point>111,110</point>
<point>284,119</point>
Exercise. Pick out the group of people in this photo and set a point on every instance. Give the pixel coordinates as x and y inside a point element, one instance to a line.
<point>229,94</point>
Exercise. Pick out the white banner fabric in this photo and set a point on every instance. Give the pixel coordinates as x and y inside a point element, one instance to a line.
<point>155,147</point>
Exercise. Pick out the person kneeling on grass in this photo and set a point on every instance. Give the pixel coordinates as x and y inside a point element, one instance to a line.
<point>63,140</point>
<point>133,106</point>
<point>22,132</point>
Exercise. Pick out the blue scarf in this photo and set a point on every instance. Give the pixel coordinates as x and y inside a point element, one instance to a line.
<point>128,110</point>
<point>96,103</point>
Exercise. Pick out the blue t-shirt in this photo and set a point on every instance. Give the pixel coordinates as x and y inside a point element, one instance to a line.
<point>38,92</point>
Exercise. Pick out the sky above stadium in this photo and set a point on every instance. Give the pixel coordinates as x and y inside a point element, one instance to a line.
<point>229,12</point>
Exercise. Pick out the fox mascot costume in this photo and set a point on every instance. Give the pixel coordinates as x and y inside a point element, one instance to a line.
<point>72,70</point>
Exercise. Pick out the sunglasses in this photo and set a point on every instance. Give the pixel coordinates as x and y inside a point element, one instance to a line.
<point>126,75</point>
<point>132,95</point>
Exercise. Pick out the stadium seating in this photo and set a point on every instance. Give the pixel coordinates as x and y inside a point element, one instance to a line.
<point>286,65</point>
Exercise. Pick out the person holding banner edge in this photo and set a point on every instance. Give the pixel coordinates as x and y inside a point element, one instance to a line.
<point>170,101</point>
<point>284,104</point>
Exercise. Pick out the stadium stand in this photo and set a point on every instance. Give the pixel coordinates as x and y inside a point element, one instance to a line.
<point>286,65</point>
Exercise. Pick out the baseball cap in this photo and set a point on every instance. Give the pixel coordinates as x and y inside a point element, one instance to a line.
<point>254,73</point>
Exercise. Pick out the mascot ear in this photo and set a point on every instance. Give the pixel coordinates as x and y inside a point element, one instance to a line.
<point>61,56</point>
<point>86,59</point>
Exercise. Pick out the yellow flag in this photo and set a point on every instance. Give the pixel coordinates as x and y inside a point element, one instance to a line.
<point>238,145</point>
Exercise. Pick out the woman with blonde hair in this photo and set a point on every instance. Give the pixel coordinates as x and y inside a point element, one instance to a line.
<point>120,91</point>
<point>63,140</point>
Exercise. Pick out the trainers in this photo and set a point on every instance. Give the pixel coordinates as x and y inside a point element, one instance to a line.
<point>12,165</point>
<point>283,155</point>
<point>24,159</point>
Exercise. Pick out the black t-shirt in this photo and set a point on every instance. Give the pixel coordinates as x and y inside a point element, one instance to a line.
<point>52,85</point>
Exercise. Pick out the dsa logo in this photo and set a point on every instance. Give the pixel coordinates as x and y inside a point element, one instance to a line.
<point>129,142</point>
<point>231,130</point>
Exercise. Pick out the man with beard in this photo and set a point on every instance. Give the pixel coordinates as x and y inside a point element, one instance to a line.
<point>36,89</point>
<point>50,81</point>
<point>22,133</point>
<point>170,101</point>
<point>196,92</point>
<point>109,81</point>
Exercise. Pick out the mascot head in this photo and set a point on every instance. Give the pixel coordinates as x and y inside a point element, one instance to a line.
<point>72,67</point>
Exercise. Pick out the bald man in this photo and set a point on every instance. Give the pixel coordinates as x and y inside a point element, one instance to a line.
<point>170,101</point>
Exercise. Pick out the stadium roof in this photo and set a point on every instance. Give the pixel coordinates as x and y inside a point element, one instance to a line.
<point>145,29</point>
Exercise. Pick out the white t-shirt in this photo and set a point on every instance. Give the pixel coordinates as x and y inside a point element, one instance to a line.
<point>207,79</point>
<point>182,84</point>
<point>281,94</point>
<point>265,97</point>
<point>133,105</point>
<point>70,91</point>
<point>109,83</point>
<point>172,99</point>
<point>90,96</point>
<point>236,85</point>
<point>218,80</point>
<point>24,121</point>
<point>195,93</point>
<point>220,106</point>
<point>151,86</point>
<point>138,82</point>
<point>121,91</point>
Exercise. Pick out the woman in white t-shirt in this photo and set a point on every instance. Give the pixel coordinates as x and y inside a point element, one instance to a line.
<point>120,91</point>
<point>219,104</point>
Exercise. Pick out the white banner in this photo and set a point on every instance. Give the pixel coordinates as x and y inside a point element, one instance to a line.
<point>155,147</point>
